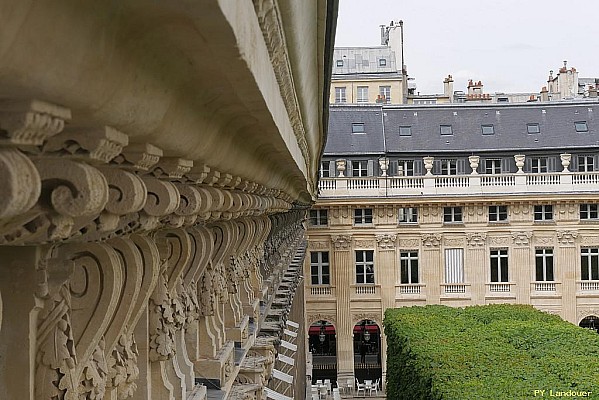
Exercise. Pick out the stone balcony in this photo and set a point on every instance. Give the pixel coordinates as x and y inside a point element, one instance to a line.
<point>459,185</point>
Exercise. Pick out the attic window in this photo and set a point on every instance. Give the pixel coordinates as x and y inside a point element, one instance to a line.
<point>446,130</point>
<point>487,129</point>
<point>533,128</point>
<point>382,62</point>
<point>357,127</point>
<point>581,126</point>
<point>340,63</point>
<point>405,131</point>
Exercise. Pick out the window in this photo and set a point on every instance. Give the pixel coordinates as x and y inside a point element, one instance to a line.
<point>538,165</point>
<point>363,216</point>
<point>325,169</point>
<point>493,167</point>
<point>319,268</point>
<point>382,62</point>
<point>487,129</point>
<point>497,213</point>
<point>454,265</point>
<point>446,130</point>
<point>357,127</point>
<point>589,211</point>
<point>543,212</point>
<point>452,214</point>
<point>405,168</point>
<point>359,168</point>
<point>319,217</point>
<point>586,163</point>
<point>385,93</point>
<point>408,261</point>
<point>405,131</point>
<point>362,94</point>
<point>340,63</point>
<point>499,265</point>
<point>424,102</point>
<point>364,266</point>
<point>533,128</point>
<point>544,265</point>
<point>589,264</point>
<point>408,215</point>
<point>581,126</point>
<point>503,100</point>
<point>449,167</point>
<point>340,95</point>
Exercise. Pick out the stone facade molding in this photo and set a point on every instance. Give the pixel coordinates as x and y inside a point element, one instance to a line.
<point>358,317</point>
<point>431,240</point>
<point>521,239</point>
<point>313,318</point>
<point>567,237</point>
<point>386,241</point>
<point>476,239</point>
<point>341,242</point>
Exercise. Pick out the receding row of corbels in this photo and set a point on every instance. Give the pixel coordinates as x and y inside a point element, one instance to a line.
<point>67,185</point>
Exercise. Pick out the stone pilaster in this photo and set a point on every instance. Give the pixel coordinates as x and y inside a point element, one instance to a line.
<point>432,262</point>
<point>567,265</point>
<point>475,262</point>
<point>522,256</point>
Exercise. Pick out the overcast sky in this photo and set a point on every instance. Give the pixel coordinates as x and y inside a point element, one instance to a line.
<point>510,45</point>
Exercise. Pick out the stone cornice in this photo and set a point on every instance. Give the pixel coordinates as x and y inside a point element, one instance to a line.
<point>86,185</point>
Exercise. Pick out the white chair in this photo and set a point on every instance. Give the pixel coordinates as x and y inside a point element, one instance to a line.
<point>322,390</point>
<point>315,396</point>
<point>375,387</point>
<point>319,381</point>
<point>327,383</point>
<point>360,387</point>
<point>336,394</point>
<point>349,385</point>
<point>367,385</point>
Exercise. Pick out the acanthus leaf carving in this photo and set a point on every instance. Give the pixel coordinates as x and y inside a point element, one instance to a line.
<point>431,239</point>
<point>341,242</point>
<point>30,123</point>
<point>567,237</point>
<point>521,238</point>
<point>94,145</point>
<point>476,239</point>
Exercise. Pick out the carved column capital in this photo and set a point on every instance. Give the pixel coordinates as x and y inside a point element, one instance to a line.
<point>341,242</point>
<point>386,241</point>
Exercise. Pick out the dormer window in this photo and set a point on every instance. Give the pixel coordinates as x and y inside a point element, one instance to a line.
<point>340,63</point>
<point>357,127</point>
<point>382,62</point>
<point>446,130</point>
<point>405,131</point>
<point>533,128</point>
<point>487,129</point>
<point>581,126</point>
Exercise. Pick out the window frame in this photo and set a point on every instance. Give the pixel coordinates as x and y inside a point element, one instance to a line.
<point>320,266</point>
<point>358,128</point>
<point>325,172</point>
<point>407,215</point>
<point>359,168</point>
<point>340,94</point>
<point>363,216</point>
<point>539,165</point>
<point>587,215</point>
<point>383,91</point>
<point>365,267</point>
<point>495,166</point>
<point>499,266</point>
<point>403,128</point>
<point>339,63</point>
<point>319,217</point>
<point>446,130</point>
<point>449,167</point>
<point>498,213</point>
<point>483,126</point>
<point>544,265</point>
<point>453,215</point>
<point>382,62</point>
<point>533,128</point>
<point>583,124</point>
<point>542,211</point>
<point>585,166</point>
<point>592,264</point>
<point>360,91</point>
<point>409,171</point>
<point>409,267</point>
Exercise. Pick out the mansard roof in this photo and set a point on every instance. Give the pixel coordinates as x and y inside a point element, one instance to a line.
<point>556,122</point>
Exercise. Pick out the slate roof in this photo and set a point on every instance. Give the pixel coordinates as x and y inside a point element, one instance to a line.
<point>556,122</point>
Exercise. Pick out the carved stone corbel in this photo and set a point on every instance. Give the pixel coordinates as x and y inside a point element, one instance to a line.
<point>30,123</point>
<point>92,145</point>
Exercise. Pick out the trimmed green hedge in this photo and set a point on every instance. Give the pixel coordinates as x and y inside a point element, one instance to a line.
<point>488,352</point>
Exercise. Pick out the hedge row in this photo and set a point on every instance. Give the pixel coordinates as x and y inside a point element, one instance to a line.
<point>488,352</point>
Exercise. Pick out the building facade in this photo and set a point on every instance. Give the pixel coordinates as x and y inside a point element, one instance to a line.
<point>369,75</point>
<point>456,205</point>
<point>156,164</point>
